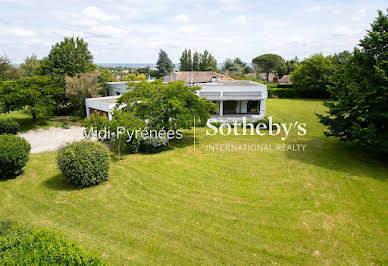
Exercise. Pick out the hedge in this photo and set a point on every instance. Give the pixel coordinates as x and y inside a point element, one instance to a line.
<point>294,93</point>
<point>23,246</point>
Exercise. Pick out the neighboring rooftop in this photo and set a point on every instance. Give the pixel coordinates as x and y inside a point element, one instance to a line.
<point>109,99</point>
<point>194,76</point>
<point>285,79</point>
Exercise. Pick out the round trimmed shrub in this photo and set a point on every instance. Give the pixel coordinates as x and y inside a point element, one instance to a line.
<point>84,163</point>
<point>14,152</point>
<point>9,126</point>
<point>153,145</point>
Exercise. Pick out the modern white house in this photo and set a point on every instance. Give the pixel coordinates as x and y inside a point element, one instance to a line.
<point>235,99</point>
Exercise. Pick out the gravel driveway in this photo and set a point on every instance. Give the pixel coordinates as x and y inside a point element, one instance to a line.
<point>43,140</point>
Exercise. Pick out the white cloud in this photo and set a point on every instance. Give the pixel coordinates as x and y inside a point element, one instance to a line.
<point>359,14</point>
<point>188,29</point>
<point>182,18</point>
<point>96,13</point>
<point>17,32</point>
<point>107,31</point>
<point>240,19</point>
<point>312,9</point>
<point>343,30</point>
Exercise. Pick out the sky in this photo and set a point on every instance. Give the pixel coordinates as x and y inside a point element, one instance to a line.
<point>133,31</point>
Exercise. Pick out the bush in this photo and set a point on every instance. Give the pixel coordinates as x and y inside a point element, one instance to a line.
<point>84,163</point>
<point>22,246</point>
<point>296,93</point>
<point>9,126</point>
<point>153,145</point>
<point>14,153</point>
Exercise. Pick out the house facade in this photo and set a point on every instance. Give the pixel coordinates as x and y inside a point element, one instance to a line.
<point>234,99</point>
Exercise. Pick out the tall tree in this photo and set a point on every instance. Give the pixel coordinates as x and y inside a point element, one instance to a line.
<point>207,61</point>
<point>31,66</point>
<point>268,63</point>
<point>41,95</point>
<point>358,108</point>
<point>196,58</point>
<point>5,66</point>
<point>314,73</point>
<point>185,60</point>
<point>68,57</point>
<point>164,64</point>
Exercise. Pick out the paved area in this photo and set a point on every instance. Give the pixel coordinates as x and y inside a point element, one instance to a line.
<point>43,140</point>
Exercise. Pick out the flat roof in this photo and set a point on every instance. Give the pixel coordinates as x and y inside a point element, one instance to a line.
<point>232,83</point>
<point>111,99</point>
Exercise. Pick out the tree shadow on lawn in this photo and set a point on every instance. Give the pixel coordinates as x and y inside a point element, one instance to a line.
<point>59,183</point>
<point>340,156</point>
<point>187,140</point>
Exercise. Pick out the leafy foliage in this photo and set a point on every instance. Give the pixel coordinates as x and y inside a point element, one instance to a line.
<point>166,106</point>
<point>236,66</point>
<point>81,87</point>
<point>268,63</point>
<point>42,95</point>
<point>22,246</point>
<point>314,72</point>
<point>8,126</point>
<point>358,109</point>
<point>186,61</point>
<point>68,57</point>
<point>199,62</point>
<point>288,67</point>
<point>14,152</point>
<point>9,72</point>
<point>30,66</point>
<point>164,64</point>
<point>84,163</point>
<point>153,145</point>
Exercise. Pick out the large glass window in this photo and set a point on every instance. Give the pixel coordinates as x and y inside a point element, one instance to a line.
<point>230,107</point>
<point>253,107</point>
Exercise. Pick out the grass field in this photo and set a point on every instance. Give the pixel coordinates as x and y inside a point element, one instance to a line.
<point>326,205</point>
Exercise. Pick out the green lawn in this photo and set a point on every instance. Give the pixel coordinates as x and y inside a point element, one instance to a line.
<point>24,118</point>
<point>327,205</point>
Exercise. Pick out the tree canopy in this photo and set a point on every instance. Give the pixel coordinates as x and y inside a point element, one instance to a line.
<point>268,63</point>
<point>358,108</point>
<point>30,66</point>
<point>164,64</point>
<point>314,73</point>
<point>166,106</point>
<point>198,62</point>
<point>68,57</point>
<point>186,61</point>
<point>40,94</point>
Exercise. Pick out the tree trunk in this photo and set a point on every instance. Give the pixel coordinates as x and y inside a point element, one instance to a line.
<point>33,115</point>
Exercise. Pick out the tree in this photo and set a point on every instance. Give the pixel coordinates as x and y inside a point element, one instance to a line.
<point>358,108</point>
<point>69,57</point>
<point>7,71</point>
<point>268,63</point>
<point>313,73</point>
<point>5,66</point>
<point>185,61</point>
<point>196,57</point>
<point>288,67</point>
<point>30,66</point>
<point>236,66</point>
<point>166,106</point>
<point>41,95</point>
<point>81,87</point>
<point>207,62</point>
<point>164,64</point>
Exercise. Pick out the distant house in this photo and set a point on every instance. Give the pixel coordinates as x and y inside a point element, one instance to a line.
<point>263,76</point>
<point>191,77</point>
<point>285,79</point>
